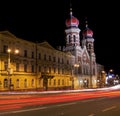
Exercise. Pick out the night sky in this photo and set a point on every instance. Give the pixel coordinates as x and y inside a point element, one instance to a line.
<point>36,20</point>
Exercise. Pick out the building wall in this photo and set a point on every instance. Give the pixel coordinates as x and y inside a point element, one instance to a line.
<point>45,59</point>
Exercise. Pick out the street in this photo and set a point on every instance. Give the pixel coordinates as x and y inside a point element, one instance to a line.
<point>100,103</point>
<point>105,106</point>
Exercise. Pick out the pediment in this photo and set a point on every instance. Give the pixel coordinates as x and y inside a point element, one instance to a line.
<point>46,45</point>
<point>7,34</point>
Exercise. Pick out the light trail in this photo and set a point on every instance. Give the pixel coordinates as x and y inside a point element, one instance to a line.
<point>57,98</point>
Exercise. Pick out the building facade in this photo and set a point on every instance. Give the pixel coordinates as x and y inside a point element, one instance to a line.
<point>39,66</point>
<point>36,66</point>
<point>83,50</point>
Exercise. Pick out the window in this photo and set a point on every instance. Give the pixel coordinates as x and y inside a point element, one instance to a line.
<point>45,69</point>
<point>5,48</point>
<point>54,69</point>
<point>58,81</point>
<point>44,56</point>
<point>67,61</point>
<point>39,56</point>
<point>49,69</point>
<point>39,68</point>
<point>49,58</point>
<point>58,70</point>
<point>49,81</point>
<point>25,83</point>
<point>32,55</point>
<point>62,81</point>
<point>17,67</point>
<point>32,68</point>
<point>5,83</point>
<point>25,53</point>
<point>54,59</point>
<point>17,83</point>
<point>58,60</point>
<point>69,37</point>
<point>62,71</point>
<point>74,38</point>
<point>6,65</point>
<point>90,46</point>
<point>54,82</point>
<point>25,67</point>
<point>32,83</point>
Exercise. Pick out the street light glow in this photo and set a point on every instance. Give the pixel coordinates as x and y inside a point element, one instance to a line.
<point>9,50</point>
<point>76,65</point>
<point>9,67</point>
<point>16,51</point>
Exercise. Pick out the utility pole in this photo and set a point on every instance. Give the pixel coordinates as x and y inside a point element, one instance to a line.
<point>9,68</point>
<point>36,64</point>
<point>91,71</point>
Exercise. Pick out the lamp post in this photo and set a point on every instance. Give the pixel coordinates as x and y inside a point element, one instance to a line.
<point>76,72</point>
<point>9,66</point>
<point>91,71</point>
<point>9,69</point>
<point>72,78</point>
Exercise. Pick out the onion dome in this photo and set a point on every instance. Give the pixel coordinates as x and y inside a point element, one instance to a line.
<point>87,32</point>
<point>72,21</point>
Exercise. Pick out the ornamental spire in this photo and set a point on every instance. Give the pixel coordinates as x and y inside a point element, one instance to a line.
<point>86,23</point>
<point>70,9</point>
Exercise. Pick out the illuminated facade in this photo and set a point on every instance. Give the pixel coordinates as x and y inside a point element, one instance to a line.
<point>82,47</point>
<point>37,66</point>
<point>42,67</point>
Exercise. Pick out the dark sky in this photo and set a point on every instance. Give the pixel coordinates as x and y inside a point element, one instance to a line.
<point>36,20</point>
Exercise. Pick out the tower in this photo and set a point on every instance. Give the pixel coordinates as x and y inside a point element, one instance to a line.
<point>72,35</point>
<point>88,39</point>
<point>72,32</point>
<point>88,42</point>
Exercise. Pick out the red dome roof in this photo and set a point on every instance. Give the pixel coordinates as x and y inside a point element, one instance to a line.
<point>88,32</point>
<point>73,21</point>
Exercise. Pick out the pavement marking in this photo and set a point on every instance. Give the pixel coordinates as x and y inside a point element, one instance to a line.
<point>101,98</point>
<point>110,108</point>
<point>88,100</point>
<point>18,111</point>
<point>67,104</point>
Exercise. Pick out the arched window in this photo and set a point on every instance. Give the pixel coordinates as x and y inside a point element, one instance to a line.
<point>32,83</point>
<point>5,83</point>
<point>50,82</point>
<point>62,81</point>
<point>89,46</point>
<point>54,82</point>
<point>25,83</point>
<point>69,38</point>
<point>74,38</point>
<point>58,81</point>
<point>17,83</point>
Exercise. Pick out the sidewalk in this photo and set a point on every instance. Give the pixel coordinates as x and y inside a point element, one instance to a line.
<point>27,94</point>
<point>59,91</point>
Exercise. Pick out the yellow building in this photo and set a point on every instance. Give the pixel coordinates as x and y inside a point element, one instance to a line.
<point>36,66</point>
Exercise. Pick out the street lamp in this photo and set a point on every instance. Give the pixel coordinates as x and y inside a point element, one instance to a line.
<point>91,71</point>
<point>9,66</point>
<point>74,72</point>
